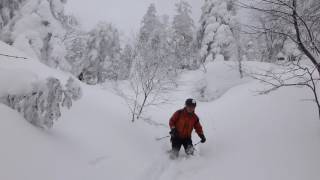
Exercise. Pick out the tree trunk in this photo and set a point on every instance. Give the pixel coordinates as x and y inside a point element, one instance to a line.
<point>142,106</point>
<point>298,35</point>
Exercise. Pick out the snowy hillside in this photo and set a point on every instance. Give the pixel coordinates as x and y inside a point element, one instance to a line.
<point>250,137</point>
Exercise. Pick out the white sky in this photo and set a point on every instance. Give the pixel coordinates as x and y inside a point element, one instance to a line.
<point>124,14</point>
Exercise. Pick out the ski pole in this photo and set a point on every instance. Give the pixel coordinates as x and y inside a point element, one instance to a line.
<point>158,139</point>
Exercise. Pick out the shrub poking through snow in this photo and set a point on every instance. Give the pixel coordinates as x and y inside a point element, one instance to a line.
<point>42,106</point>
<point>72,92</point>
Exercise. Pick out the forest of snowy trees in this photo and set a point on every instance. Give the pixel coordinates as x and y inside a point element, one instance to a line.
<point>58,41</point>
<point>164,46</point>
<point>94,56</point>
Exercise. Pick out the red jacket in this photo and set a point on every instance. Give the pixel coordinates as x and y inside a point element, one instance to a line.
<point>185,122</point>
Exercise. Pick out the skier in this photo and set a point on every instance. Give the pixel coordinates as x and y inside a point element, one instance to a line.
<point>182,124</point>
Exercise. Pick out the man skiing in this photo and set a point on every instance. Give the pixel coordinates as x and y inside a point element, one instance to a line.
<point>182,124</point>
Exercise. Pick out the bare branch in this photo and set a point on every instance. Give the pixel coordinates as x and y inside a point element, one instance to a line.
<point>10,56</point>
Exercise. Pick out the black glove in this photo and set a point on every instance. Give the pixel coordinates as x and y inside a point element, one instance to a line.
<point>203,138</point>
<point>173,132</point>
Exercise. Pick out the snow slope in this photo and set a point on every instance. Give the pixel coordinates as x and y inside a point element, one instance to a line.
<point>250,137</point>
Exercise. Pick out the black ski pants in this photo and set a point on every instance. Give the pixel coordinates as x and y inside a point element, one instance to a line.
<point>186,143</point>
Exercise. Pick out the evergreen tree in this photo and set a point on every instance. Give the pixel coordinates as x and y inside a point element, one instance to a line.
<point>149,23</point>
<point>216,36</point>
<point>103,54</point>
<point>183,35</point>
<point>127,56</point>
<point>152,67</point>
<point>42,106</point>
<point>153,46</point>
<point>38,28</point>
<point>76,46</point>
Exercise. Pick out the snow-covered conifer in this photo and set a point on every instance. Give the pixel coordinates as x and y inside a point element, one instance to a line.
<point>215,36</point>
<point>183,35</point>
<point>42,106</point>
<point>103,54</point>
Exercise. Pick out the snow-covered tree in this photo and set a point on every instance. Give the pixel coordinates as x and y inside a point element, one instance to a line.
<point>297,22</point>
<point>263,44</point>
<point>38,28</point>
<point>103,54</point>
<point>42,106</point>
<point>152,67</point>
<point>76,46</point>
<point>127,57</point>
<point>8,9</point>
<point>215,36</point>
<point>153,42</point>
<point>149,23</point>
<point>183,35</point>
<point>72,92</point>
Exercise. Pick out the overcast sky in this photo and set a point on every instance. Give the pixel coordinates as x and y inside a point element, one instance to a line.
<point>124,14</point>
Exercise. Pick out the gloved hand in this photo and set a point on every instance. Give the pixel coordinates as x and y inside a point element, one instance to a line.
<point>203,138</point>
<point>173,132</point>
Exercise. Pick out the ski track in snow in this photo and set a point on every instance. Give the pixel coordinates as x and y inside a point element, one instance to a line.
<point>162,167</point>
<point>243,141</point>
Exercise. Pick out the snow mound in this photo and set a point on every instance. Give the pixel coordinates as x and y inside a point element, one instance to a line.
<point>16,81</point>
<point>26,66</point>
<point>219,78</point>
<point>33,89</point>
